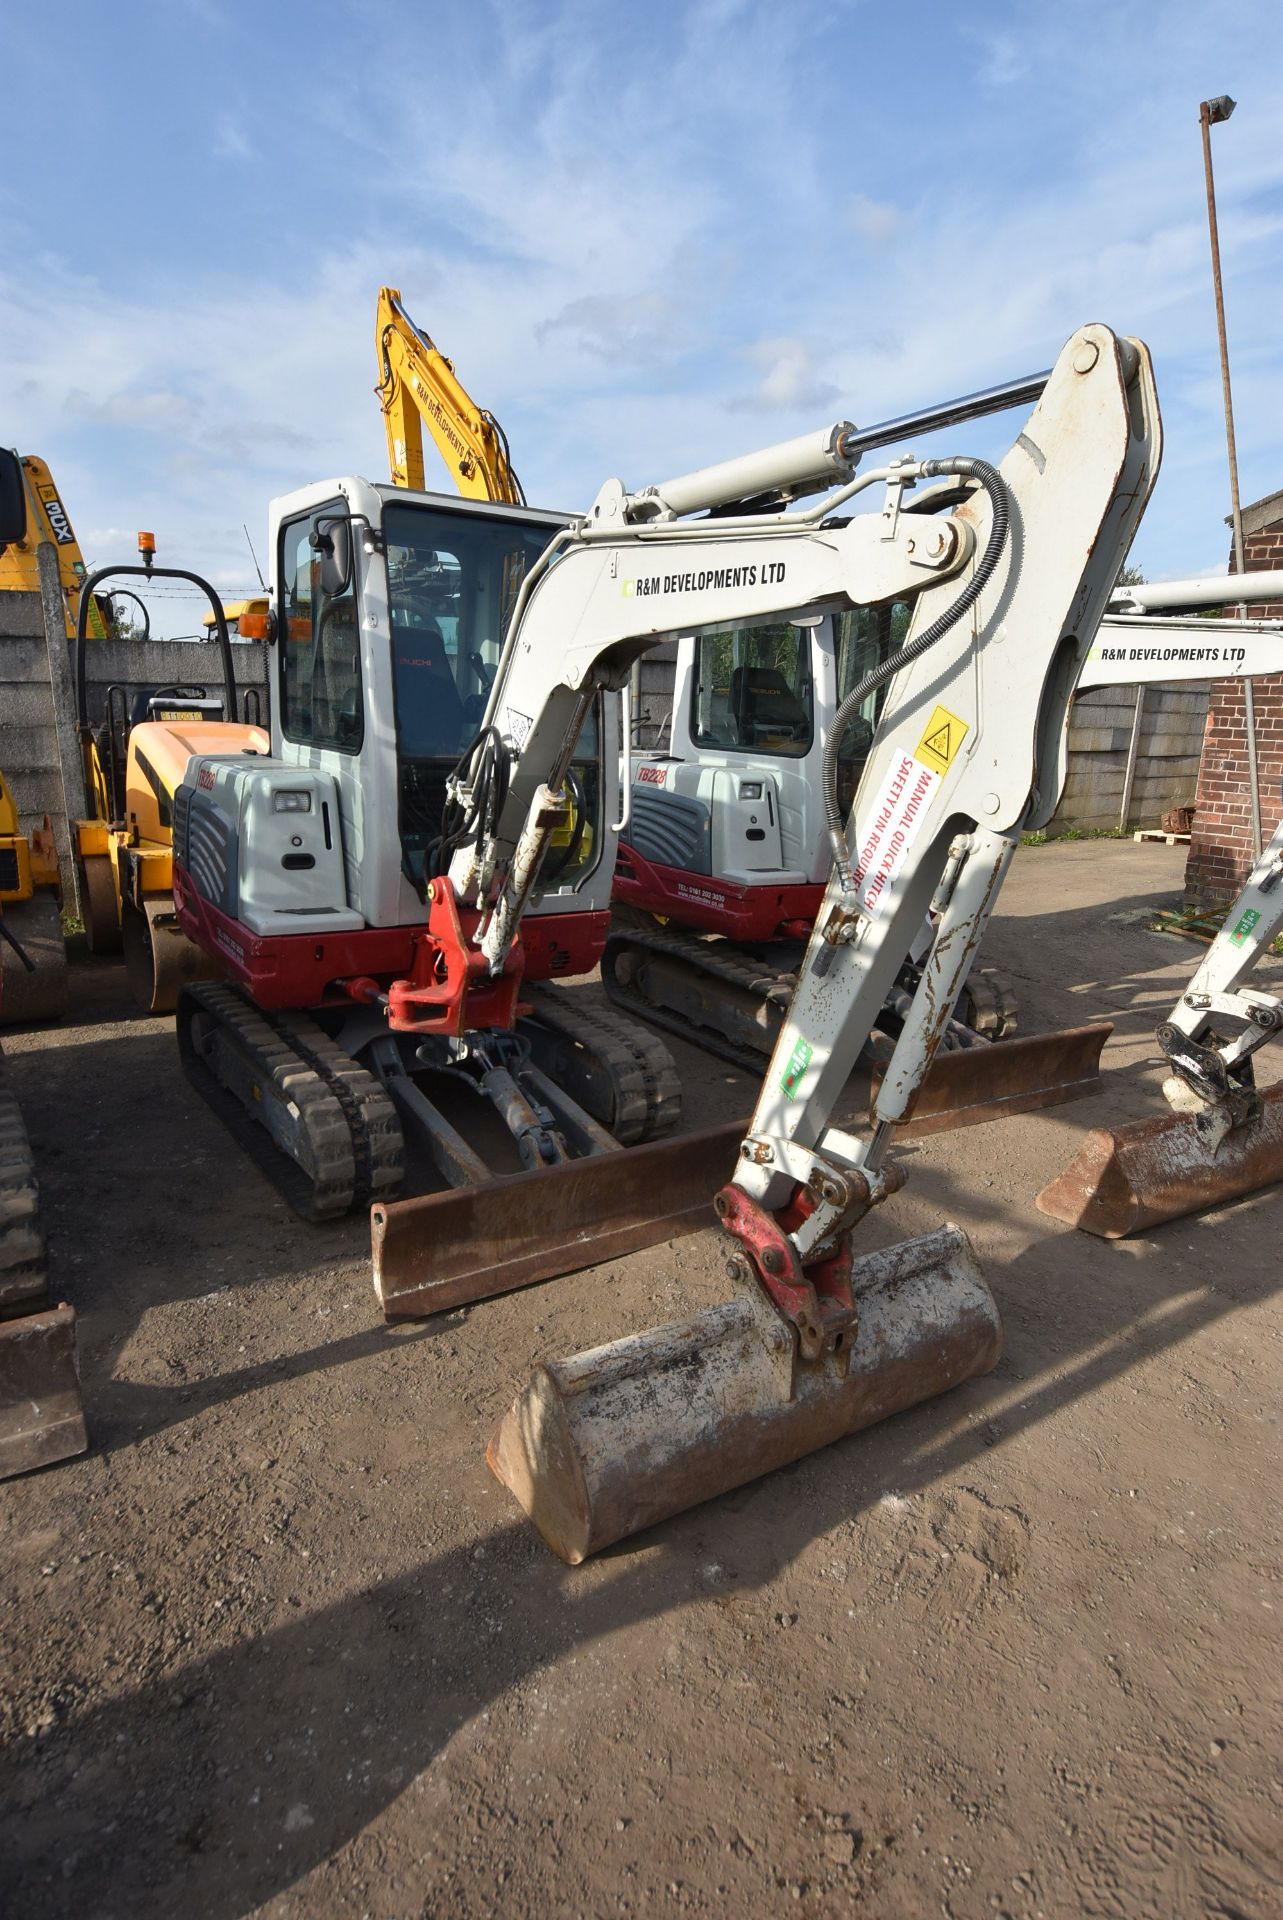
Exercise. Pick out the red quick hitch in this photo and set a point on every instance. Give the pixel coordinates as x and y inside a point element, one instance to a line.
<point>448,989</point>
<point>816,1299</point>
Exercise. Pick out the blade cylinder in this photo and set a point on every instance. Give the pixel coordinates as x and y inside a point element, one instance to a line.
<point>1125,1179</point>
<point>607,1442</point>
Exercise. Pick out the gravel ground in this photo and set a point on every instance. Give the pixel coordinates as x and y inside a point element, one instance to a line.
<point>280,1645</point>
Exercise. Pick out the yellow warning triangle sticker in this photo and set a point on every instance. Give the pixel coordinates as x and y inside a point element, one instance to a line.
<point>941,740</point>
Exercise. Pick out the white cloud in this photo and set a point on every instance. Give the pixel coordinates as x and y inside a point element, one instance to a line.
<point>637,325</point>
<point>789,379</point>
<point>1003,59</point>
<point>876,221</point>
<point>231,142</point>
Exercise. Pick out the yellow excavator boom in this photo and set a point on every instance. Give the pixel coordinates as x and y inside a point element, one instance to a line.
<point>47,519</point>
<point>418,387</point>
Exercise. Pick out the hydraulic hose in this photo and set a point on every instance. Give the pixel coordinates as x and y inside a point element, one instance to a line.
<point>994,485</point>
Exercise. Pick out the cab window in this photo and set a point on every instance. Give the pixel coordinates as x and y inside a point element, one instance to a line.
<point>320,642</point>
<point>864,638</point>
<point>753,692</point>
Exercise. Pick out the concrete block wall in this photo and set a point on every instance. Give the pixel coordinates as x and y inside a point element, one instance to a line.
<point>28,744</point>
<point>1167,759</point>
<point>653,695</point>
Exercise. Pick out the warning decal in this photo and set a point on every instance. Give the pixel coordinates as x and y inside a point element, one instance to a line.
<point>943,736</point>
<point>897,819</point>
<point>1245,926</point>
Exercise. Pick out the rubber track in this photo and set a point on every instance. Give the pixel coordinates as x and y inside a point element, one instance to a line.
<point>718,959</point>
<point>722,960</point>
<point>646,1092</point>
<point>349,1127</point>
<point>23,1277</point>
<point>988,1002</point>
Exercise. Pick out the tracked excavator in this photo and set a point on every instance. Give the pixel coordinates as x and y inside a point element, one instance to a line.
<point>1006,593</point>
<point>723,863</point>
<point>1224,1136</point>
<point>314,876</point>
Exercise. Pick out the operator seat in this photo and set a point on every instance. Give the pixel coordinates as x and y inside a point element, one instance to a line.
<point>765,706</point>
<point>429,709</point>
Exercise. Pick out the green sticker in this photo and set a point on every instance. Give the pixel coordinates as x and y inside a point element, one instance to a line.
<point>1245,925</point>
<point>799,1061</point>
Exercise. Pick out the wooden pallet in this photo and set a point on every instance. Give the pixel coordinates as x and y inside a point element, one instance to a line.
<point>1168,839</point>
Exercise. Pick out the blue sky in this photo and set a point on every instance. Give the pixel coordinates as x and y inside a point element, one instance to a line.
<point>649,237</point>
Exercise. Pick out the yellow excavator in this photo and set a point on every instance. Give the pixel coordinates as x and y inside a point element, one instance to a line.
<point>46,518</point>
<point>418,387</point>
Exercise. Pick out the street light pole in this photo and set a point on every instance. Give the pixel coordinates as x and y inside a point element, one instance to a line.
<point>1211,113</point>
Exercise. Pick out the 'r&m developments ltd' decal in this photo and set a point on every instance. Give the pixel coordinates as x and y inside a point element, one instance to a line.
<point>708,580</point>
<point>1156,656</point>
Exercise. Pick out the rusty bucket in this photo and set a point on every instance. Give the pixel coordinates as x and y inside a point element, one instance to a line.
<point>601,1445</point>
<point>1125,1179</point>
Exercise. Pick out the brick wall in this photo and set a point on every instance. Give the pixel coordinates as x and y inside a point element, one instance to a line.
<point>1220,854</point>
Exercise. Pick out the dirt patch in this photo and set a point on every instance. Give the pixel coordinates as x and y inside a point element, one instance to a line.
<point>281,1645</point>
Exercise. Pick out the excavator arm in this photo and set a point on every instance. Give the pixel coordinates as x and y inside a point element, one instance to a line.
<point>1009,588</point>
<point>418,387</point>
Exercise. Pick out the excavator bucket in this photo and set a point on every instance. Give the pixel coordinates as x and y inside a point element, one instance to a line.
<point>1126,1179</point>
<point>41,1417</point>
<point>971,1084</point>
<point>446,1250</point>
<point>599,1446</point>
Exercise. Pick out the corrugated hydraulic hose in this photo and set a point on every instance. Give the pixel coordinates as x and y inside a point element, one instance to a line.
<point>994,485</point>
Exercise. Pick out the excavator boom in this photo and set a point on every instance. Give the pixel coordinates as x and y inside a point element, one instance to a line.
<point>418,387</point>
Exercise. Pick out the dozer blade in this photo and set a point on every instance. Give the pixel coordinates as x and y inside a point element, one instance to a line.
<point>41,1417</point>
<point>444,1250</point>
<point>1126,1179</point>
<point>972,1084</point>
<point>601,1445</point>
